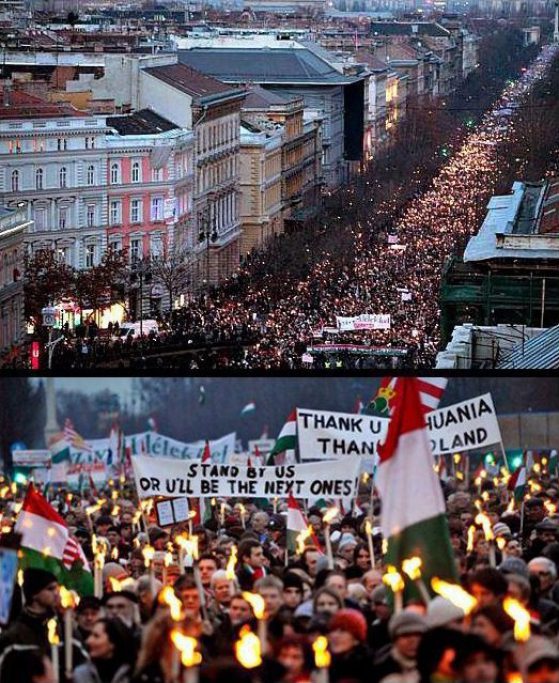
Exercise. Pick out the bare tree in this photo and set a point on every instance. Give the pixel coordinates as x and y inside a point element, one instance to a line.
<point>173,270</point>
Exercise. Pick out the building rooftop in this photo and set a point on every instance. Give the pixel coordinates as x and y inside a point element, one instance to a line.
<point>539,353</point>
<point>520,225</point>
<point>409,28</point>
<point>17,104</point>
<point>260,98</point>
<point>141,122</point>
<point>188,79</point>
<point>265,65</point>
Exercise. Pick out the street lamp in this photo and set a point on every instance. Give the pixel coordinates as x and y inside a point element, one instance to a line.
<point>141,271</point>
<point>208,233</point>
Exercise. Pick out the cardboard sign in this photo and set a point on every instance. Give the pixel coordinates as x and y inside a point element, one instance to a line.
<point>171,511</point>
<point>165,477</point>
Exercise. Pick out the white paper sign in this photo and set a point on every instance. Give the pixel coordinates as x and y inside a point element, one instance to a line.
<point>166,477</point>
<point>463,426</point>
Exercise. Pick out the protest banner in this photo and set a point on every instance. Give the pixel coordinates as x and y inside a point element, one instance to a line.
<point>31,458</point>
<point>167,477</point>
<point>152,443</point>
<point>365,321</point>
<point>464,426</point>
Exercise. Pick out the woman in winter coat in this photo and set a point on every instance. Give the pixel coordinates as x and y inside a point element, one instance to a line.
<point>351,659</point>
<point>112,650</point>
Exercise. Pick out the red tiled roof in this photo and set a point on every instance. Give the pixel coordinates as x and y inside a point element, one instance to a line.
<point>22,105</point>
<point>189,80</point>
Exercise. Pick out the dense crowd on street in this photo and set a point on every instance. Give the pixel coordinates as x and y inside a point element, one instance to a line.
<point>398,275</point>
<point>325,616</point>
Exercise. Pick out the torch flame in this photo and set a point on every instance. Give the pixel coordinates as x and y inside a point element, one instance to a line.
<point>393,578</point>
<point>471,538</point>
<point>189,545</point>
<point>231,562</point>
<point>483,520</point>
<point>521,618</point>
<point>247,649</point>
<point>116,585</point>
<point>550,507</point>
<point>186,645</point>
<point>412,567</point>
<point>148,552</point>
<point>322,657</point>
<point>330,515</point>
<point>168,559</point>
<point>114,553</point>
<point>68,599</point>
<point>368,527</point>
<point>455,593</point>
<point>256,602</point>
<point>54,638</point>
<point>168,597</point>
<point>301,538</point>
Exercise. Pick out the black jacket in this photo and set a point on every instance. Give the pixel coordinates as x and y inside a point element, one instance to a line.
<point>354,666</point>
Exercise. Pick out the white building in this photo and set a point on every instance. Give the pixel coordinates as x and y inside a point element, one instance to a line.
<point>53,158</point>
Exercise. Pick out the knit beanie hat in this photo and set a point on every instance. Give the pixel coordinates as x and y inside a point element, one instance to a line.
<point>350,620</point>
<point>441,612</point>
<point>406,622</point>
<point>36,580</point>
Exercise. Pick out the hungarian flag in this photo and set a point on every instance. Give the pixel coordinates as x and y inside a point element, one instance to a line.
<point>46,544</point>
<point>517,484</point>
<point>413,518</point>
<point>60,451</point>
<point>430,390</point>
<point>553,463</point>
<point>74,439</point>
<point>297,522</point>
<point>286,442</point>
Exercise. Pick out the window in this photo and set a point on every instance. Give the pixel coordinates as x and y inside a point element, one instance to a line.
<point>14,146</point>
<point>91,175</point>
<point>135,210</point>
<point>62,218</point>
<point>39,177</point>
<point>135,249</point>
<point>89,255</point>
<point>89,142</point>
<point>157,175</point>
<point>115,174</point>
<point>38,145</point>
<point>156,245</point>
<point>115,212</point>
<point>61,144</point>
<point>115,245</point>
<point>63,176</point>
<point>157,208</point>
<point>91,215</point>
<point>40,218</point>
<point>61,253</point>
<point>136,172</point>
<point>15,181</point>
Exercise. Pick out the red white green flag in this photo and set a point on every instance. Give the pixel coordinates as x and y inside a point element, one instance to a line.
<point>286,442</point>
<point>413,518</point>
<point>296,523</point>
<point>46,544</point>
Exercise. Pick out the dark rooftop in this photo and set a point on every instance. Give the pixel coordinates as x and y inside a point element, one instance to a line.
<point>141,122</point>
<point>188,79</point>
<point>264,65</point>
<point>412,28</point>
<point>260,98</point>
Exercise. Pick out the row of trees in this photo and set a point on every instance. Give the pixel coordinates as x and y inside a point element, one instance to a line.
<point>114,279</point>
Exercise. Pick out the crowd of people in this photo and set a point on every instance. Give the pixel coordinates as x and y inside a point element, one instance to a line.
<point>398,275</point>
<point>257,610</point>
